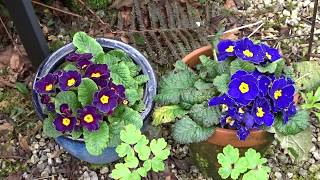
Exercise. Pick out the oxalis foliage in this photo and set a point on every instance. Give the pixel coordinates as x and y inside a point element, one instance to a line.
<point>249,167</point>
<point>184,94</point>
<point>93,95</point>
<point>140,155</point>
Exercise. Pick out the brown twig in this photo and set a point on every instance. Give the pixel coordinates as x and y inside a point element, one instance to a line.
<point>93,13</point>
<point>314,18</point>
<point>12,157</point>
<point>56,9</point>
<point>10,36</point>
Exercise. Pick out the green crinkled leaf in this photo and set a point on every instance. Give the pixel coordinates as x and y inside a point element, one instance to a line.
<point>296,124</point>
<point>115,128</point>
<point>241,165</point>
<point>231,155</point>
<point>157,165</point>
<point>128,116</point>
<point>139,106</point>
<point>194,96</point>
<point>131,135</point>
<point>141,79</point>
<point>76,134</point>
<point>124,150</point>
<point>70,67</point>
<point>120,74</point>
<point>120,172</point>
<point>133,68</point>
<point>86,44</point>
<point>272,67</point>
<point>159,148</point>
<point>222,82</point>
<point>186,131</point>
<point>181,66</point>
<point>147,165</point>
<point>307,75</point>
<point>239,64</point>
<point>298,145</point>
<point>225,172</point>
<point>86,91</point>
<point>205,115</point>
<point>132,96</point>
<point>48,127</point>
<point>201,85</point>
<point>97,141</point>
<point>210,68</point>
<point>67,97</point>
<point>280,67</point>
<point>166,114</point>
<point>171,85</point>
<point>142,149</point>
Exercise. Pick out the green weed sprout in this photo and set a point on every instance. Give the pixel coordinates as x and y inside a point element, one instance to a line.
<point>140,157</point>
<point>251,165</point>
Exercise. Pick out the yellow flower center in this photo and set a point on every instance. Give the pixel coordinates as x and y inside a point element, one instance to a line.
<point>66,121</point>
<point>49,87</point>
<point>248,53</point>
<point>224,107</point>
<point>260,112</point>
<point>277,94</point>
<point>88,118</point>
<point>104,99</point>
<point>71,82</point>
<point>240,111</point>
<point>96,75</point>
<point>244,87</point>
<point>125,102</point>
<point>268,56</point>
<point>230,49</point>
<point>229,120</point>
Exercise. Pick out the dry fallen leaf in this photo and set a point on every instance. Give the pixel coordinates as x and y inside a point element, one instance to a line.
<point>230,4</point>
<point>5,56</point>
<point>118,4</point>
<point>24,143</point>
<point>6,127</point>
<point>14,176</point>
<point>124,39</point>
<point>231,35</point>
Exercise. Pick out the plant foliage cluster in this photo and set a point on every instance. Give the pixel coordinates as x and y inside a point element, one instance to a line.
<point>108,96</point>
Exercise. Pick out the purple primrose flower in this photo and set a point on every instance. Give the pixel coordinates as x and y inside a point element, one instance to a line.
<point>248,51</point>
<point>282,92</point>
<point>224,101</point>
<point>105,100</point>
<point>83,64</point>
<point>64,123</point>
<point>262,112</point>
<point>225,49</point>
<point>46,84</point>
<point>90,117</point>
<point>69,79</point>
<point>271,54</point>
<point>75,57</point>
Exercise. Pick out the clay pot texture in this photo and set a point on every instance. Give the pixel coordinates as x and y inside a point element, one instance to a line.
<point>204,154</point>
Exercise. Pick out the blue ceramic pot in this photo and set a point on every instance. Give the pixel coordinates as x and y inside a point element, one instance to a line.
<point>77,147</point>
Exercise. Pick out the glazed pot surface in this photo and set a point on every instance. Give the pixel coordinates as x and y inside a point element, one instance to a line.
<point>204,154</point>
<point>77,147</point>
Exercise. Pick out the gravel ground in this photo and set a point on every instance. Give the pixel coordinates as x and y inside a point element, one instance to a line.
<point>286,24</point>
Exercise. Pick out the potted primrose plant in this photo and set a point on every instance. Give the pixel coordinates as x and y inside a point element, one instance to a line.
<point>88,91</point>
<point>240,97</point>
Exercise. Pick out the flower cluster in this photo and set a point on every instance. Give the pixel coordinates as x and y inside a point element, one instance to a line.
<point>253,99</point>
<point>246,50</point>
<point>105,100</point>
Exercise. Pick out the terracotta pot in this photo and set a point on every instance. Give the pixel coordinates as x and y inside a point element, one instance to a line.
<point>204,154</point>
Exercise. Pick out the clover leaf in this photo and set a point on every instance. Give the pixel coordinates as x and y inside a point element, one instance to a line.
<point>158,148</point>
<point>142,149</point>
<point>134,143</point>
<point>131,135</point>
<point>121,171</point>
<point>233,166</point>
